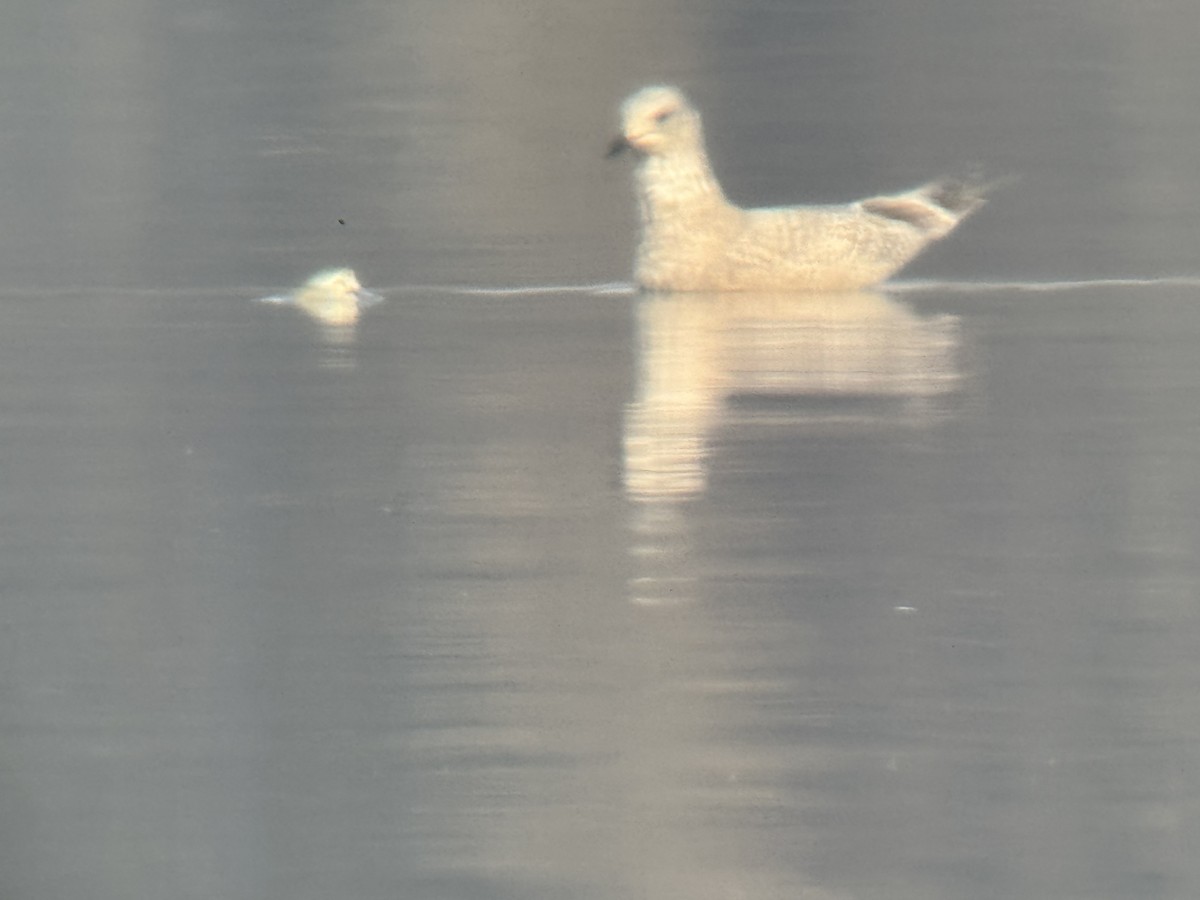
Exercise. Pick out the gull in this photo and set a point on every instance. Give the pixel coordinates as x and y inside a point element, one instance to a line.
<point>331,296</point>
<point>693,239</point>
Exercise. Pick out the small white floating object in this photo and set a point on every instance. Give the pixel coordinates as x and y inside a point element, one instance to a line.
<point>693,239</point>
<point>331,296</point>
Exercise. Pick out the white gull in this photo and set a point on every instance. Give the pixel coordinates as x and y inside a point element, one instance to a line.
<point>693,239</point>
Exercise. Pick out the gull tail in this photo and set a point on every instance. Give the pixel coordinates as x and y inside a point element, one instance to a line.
<point>961,196</point>
<point>937,207</point>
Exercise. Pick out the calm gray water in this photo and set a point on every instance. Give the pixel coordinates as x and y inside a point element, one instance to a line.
<point>570,593</point>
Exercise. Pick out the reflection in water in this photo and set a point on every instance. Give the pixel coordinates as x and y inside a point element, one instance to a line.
<point>334,298</point>
<point>809,364</point>
<point>811,361</point>
<point>833,360</point>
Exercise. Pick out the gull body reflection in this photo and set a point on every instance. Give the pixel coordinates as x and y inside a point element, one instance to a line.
<point>830,361</point>
<point>727,733</point>
<point>813,363</point>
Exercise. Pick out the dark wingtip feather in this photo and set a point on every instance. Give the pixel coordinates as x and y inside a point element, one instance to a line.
<point>963,194</point>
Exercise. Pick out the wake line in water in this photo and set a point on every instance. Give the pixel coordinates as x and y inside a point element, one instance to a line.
<point>621,288</point>
<point>618,288</point>
<point>260,292</point>
<point>625,289</point>
<point>615,288</point>
<point>1037,287</point>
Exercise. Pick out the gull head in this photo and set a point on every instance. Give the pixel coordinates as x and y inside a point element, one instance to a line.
<point>335,297</point>
<point>335,281</point>
<point>656,121</point>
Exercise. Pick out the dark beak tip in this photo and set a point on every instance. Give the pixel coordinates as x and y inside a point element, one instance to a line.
<point>617,147</point>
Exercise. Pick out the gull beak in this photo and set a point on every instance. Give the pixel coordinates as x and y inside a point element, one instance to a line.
<point>619,145</point>
<point>367,298</point>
